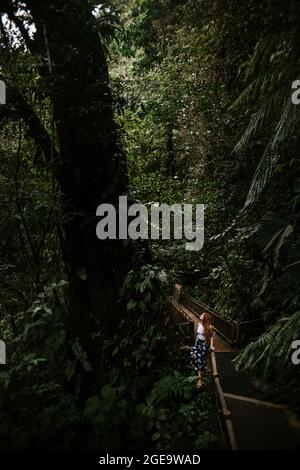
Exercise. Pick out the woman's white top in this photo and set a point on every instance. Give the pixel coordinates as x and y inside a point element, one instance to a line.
<point>200,331</point>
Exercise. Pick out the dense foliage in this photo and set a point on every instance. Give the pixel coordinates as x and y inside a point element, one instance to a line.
<point>196,108</point>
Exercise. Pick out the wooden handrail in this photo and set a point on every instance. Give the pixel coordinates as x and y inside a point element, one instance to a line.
<point>223,327</point>
<point>225,412</point>
<point>249,322</point>
<point>189,322</point>
<point>235,332</point>
<point>203,306</point>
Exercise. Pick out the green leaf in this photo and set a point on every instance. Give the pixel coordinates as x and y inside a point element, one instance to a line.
<point>131,305</point>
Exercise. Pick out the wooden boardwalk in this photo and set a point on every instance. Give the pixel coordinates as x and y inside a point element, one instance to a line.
<point>257,423</point>
<point>248,419</point>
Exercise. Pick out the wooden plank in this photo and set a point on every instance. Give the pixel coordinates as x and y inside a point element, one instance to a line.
<point>253,400</point>
<point>261,427</point>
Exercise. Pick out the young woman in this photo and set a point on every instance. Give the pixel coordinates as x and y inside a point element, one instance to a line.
<point>203,344</point>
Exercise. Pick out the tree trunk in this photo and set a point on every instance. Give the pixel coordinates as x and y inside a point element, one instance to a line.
<point>92,168</point>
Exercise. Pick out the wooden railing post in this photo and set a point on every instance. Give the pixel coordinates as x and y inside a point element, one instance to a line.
<point>224,411</point>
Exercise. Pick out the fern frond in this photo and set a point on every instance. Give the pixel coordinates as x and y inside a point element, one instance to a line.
<point>168,387</point>
<point>275,55</point>
<point>287,124</point>
<point>273,345</point>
